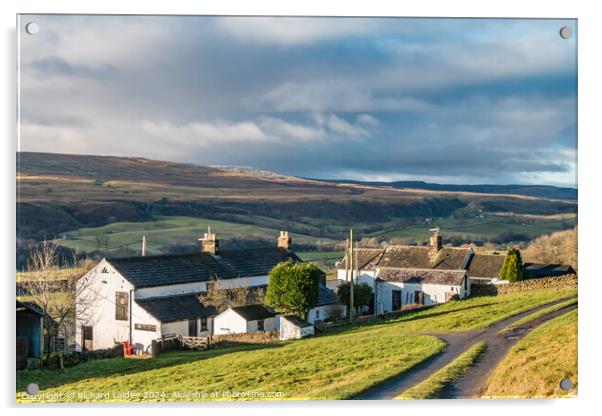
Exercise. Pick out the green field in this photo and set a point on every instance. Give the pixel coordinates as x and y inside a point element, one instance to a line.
<point>434,385</point>
<point>172,231</point>
<point>487,228</point>
<point>337,365</point>
<point>537,363</point>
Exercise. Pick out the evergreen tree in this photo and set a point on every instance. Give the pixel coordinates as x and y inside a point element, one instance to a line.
<point>512,270</point>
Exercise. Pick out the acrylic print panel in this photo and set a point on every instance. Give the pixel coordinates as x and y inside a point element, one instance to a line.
<point>284,208</point>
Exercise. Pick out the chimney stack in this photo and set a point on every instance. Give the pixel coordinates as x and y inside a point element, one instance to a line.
<point>209,244</point>
<point>436,243</point>
<point>284,241</point>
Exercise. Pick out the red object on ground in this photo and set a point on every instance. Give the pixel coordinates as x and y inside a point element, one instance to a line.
<point>128,349</point>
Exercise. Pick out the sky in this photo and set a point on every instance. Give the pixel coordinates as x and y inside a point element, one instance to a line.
<point>461,101</point>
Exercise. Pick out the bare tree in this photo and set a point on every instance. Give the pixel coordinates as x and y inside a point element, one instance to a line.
<point>222,296</point>
<point>56,291</point>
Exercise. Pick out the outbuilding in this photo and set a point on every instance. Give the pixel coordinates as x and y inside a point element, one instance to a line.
<point>293,327</point>
<point>245,319</point>
<point>30,327</point>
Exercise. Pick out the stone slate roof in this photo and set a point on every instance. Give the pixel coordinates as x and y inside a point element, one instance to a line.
<point>486,265</point>
<point>419,257</point>
<point>162,270</point>
<point>254,312</point>
<point>176,308</point>
<point>428,276</point>
<point>295,320</point>
<point>326,296</point>
<point>547,269</point>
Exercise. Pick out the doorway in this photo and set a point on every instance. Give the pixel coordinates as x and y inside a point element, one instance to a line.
<point>396,300</point>
<point>87,338</point>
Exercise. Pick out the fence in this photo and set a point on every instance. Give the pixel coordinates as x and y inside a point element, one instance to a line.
<point>176,342</point>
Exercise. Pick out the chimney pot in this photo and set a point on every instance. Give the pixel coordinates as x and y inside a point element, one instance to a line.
<point>284,241</point>
<point>436,243</point>
<point>209,243</point>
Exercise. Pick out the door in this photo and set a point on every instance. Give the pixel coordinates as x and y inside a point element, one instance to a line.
<point>396,300</point>
<point>192,328</point>
<point>87,338</point>
<point>419,297</point>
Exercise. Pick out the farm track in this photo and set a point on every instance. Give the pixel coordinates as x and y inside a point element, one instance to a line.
<point>470,385</point>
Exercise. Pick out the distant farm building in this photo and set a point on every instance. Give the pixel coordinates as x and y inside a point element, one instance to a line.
<point>539,270</point>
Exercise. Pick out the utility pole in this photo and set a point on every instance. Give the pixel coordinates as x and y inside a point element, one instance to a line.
<point>347,261</point>
<point>143,245</point>
<point>351,263</point>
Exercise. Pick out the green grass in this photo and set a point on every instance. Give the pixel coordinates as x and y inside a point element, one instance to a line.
<point>478,312</point>
<point>432,387</point>
<point>486,228</point>
<point>170,231</point>
<point>336,365</point>
<point>536,315</point>
<point>535,366</point>
<point>327,367</point>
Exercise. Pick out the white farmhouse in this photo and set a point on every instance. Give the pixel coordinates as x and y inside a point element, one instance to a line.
<point>139,299</point>
<point>245,319</point>
<point>408,275</point>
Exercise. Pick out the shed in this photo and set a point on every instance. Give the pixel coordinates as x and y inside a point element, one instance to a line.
<point>30,328</point>
<point>540,270</point>
<point>244,319</point>
<point>293,327</point>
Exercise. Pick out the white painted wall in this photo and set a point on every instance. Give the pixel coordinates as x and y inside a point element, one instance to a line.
<point>170,290</point>
<point>320,313</point>
<point>101,315</point>
<point>383,290</point>
<point>290,331</point>
<point>229,322</point>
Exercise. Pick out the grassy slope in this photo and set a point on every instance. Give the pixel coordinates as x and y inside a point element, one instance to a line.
<point>336,365</point>
<point>535,315</point>
<point>537,363</point>
<point>171,231</point>
<point>483,228</point>
<point>478,312</point>
<point>331,367</point>
<point>434,385</point>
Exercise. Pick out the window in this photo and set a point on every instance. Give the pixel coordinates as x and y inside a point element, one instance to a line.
<point>260,325</point>
<point>465,284</point>
<point>203,324</point>
<point>121,306</point>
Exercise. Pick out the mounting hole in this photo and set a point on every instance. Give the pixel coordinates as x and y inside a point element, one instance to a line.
<point>566,384</point>
<point>33,388</point>
<point>32,28</point>
<point>566,32</point>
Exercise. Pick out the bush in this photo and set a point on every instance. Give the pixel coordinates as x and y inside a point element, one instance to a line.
<point>294,287</point>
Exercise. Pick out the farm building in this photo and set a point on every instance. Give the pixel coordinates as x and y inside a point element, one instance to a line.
<point>539,270</point>
<point>402,275</point>
<point>245,319</point>
<point>30,333</point>
<point>142,298</point>
<point>293,327</point>
<point>328,306</point>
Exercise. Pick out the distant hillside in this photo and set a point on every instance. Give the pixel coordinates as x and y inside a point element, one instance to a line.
<point>59,194</point>
<point>540,191</point>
